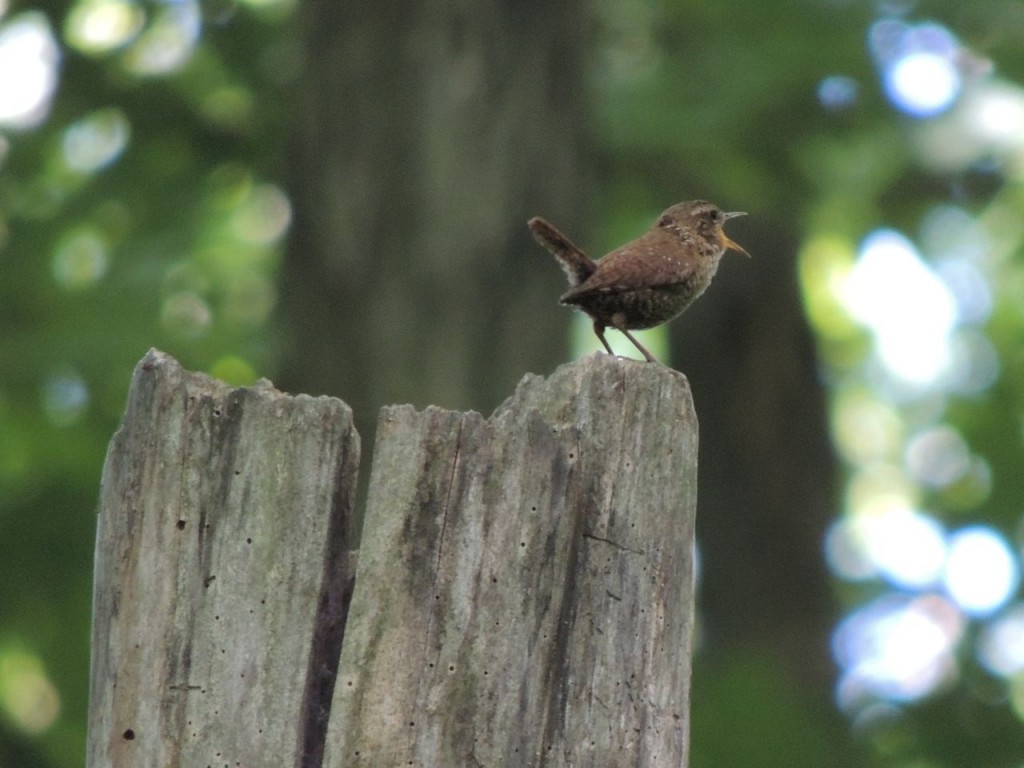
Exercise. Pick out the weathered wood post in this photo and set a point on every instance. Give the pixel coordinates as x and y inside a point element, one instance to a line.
<point>220,566</point>
<point>523,595</point>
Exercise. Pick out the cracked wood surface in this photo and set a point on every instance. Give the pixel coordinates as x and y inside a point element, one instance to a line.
<point>523,597</point>
<point>524,594</point>
<point>220,572</point>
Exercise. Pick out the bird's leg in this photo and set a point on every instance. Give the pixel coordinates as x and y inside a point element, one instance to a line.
<point>650,358</point>
<point>619,324</point>
<point>599,330</point>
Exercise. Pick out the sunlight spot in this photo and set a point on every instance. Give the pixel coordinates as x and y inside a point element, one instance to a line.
<point>950,232</point>
<point>896,648</point>
<point>845,551</point>
<point>825,264</point>
<point>985,133</point>
<point>27,696</point>
<point>981,571</point>
<point>904,546</point>
<point>996,115</point>
<point>837,92</point>
<point>28,48</point>
<point>864,428</point>
<point>937,456</point>
<point>95,141</point>
<point>186,314</point>
<point>97,26</point>
<point>65,399</point>
<point>1001,645</point>
<point>168,42</point>
<point>908,308</point>
<point>263,217</point>
<point>880,489</point>
<point>974,363</point>
<point>80,260</point>
<point>970,290</point>
<point>908,548</point>
<point>918,65</point>
<point>971,489</point>
<point>922,84</point>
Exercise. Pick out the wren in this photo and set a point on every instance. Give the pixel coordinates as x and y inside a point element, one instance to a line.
<point>650,280</point>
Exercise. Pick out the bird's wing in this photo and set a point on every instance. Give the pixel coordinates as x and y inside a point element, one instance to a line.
<point>648,262</point>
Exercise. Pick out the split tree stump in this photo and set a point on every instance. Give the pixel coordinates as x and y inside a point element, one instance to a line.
<point>523,594</point>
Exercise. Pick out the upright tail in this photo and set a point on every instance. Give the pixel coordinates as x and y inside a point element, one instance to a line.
<point>577,265</point>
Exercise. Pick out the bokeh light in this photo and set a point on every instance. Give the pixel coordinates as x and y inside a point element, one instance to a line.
<point>922,84</point>
<point>263,216</point>
<point>27,47</point>
<point>96,140</point>
<point>950,232</point>
<point>1001,645</point>
<point>65,399</point>
<point>898,648</point>
<point>907,307</point>
<point>169,40</point>
<point>904,546</point>
<point>81,259</point>
<point>838,92</point>
<point>971,291</point>
<point>981,571</point>
<point>186,314</point>
<point>865,429</point>
<point>907,547</point>
<point>28,698</point>
<point>974,363</point>
<point>985,132</point>
<point>98,26</point>
<point>937,456</point>
<point>996,115</point>
<point>918,65</point>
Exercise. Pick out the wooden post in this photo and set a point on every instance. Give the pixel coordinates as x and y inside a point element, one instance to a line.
<point>523,595</point>
<point>221,568</point>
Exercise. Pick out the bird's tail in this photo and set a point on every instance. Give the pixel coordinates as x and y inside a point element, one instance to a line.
<point>577,265</point>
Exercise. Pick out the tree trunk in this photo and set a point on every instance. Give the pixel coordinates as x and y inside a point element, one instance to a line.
<point>523,595</point>
<point>768,470</point>
<point>428,133</point>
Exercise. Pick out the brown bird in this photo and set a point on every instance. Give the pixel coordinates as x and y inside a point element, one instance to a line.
<point>650,280</point>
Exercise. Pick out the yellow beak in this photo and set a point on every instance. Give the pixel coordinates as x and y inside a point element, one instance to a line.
<point>725,238</point>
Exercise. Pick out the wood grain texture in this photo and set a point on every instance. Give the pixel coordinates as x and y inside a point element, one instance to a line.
<point>221,571</point>
<point>525,584</point>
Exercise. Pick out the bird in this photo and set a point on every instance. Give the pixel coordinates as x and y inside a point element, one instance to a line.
<point>647,281</point>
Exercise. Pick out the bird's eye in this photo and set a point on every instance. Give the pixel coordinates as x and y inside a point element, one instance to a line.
<point>714,214</point>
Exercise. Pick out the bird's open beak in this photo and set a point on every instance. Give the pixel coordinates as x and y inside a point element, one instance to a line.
<point>725,238</point>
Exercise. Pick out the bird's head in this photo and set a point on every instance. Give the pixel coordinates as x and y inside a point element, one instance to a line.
<point>704,218</point>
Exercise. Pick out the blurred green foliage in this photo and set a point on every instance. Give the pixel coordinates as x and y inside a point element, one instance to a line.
<point>140,212</point>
